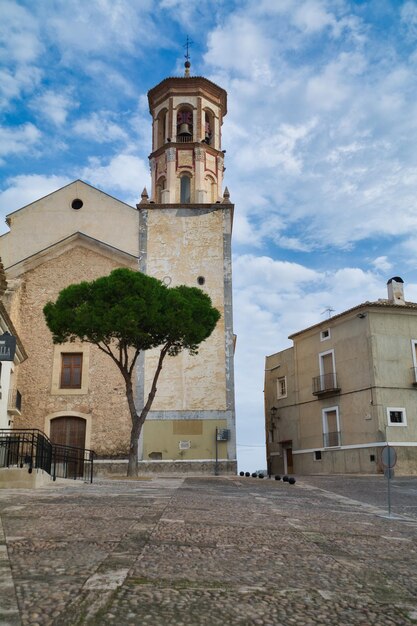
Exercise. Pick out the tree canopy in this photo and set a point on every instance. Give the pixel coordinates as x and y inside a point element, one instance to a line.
<point>126,313</point>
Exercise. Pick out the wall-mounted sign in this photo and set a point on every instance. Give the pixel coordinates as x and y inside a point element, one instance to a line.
<point>7,347</point>
<point>223,434</point>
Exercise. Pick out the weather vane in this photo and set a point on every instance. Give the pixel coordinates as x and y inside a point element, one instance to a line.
<point>187,56</point>
<point>187,45</point>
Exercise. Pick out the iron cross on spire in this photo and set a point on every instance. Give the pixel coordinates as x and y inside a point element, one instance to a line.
<point>187,63</point>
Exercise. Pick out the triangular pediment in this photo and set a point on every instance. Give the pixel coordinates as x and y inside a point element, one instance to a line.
<point>76,187</point>
<point>75,240</point>
<point>75,208</point>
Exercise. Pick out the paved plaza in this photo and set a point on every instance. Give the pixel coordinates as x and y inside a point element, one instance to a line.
<point>213,551</point>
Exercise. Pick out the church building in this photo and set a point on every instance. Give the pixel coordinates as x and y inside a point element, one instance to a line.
<point>180,234</point>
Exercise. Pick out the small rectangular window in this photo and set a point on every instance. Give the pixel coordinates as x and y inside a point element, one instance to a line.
<point>325,334</point>
<point>282,387</point>
<point>396,416</point>
<point>317,455</point>
<point>414,355</point>
<point>71,370</point>
<point>372,458</point>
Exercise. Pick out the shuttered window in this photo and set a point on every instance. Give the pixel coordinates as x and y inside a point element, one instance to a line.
<point>71,370</point>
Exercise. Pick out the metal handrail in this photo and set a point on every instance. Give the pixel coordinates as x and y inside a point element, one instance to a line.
<point>325,382</point>
<point>332,440</point>
<point>32,448</point>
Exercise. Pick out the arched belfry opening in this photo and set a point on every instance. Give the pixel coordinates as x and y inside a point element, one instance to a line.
<point>209,127</point>
<point>185,124</point>
<point>161,128</point>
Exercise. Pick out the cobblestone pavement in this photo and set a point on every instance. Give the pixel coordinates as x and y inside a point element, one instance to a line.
<point>197,551</point>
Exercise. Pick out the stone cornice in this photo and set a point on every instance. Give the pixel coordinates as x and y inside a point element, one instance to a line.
<point>192,85</point>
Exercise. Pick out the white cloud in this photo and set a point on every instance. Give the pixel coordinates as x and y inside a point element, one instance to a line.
<point>99,127</point>
<point>20,49</point>
<point>106,27</point>
<point>311,17</point>
<point>22,190</point>
<point>18,139</point>
<point>240,45</point>
<point>125,173</point>
<point>382,264</point>
<point>19,36</point>
<point>54,106</point>
<point>409,19</point>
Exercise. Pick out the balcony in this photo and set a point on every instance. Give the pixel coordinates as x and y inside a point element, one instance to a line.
<point>14,406</point>
<point>325,385</point>
<point>332,440</point>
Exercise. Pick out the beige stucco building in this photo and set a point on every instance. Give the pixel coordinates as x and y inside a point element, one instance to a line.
<point>181,234</point>
<point>346,388</point>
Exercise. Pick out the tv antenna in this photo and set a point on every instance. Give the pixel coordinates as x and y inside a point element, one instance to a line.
<point>329,310</point>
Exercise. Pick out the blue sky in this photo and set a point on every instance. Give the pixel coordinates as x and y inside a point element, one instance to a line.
<point>320,137</point>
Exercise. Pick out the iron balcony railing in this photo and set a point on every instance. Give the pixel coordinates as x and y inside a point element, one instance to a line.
<point>332,440</point>
<point>184,138</point>
<point>325,384</point>
<point>34,450</point>
<point>14,405</point>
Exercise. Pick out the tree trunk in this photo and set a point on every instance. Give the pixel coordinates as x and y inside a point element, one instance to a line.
<point>132,467</point>
<point>139,420</point>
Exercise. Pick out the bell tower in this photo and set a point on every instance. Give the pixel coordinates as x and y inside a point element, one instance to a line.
<point>187,161</point>
<point>185,231</point>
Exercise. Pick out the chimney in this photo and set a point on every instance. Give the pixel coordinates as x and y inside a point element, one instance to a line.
<point>396,290</point>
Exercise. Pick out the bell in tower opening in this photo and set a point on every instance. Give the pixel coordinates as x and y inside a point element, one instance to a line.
<point>184,126</point>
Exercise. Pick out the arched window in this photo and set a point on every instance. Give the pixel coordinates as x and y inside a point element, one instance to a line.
<point>185,189</point>
<point>161,128</point>
<point>184,125</point>
<point>160,186</point>
<point>209,127</point>
<point>211,188</point>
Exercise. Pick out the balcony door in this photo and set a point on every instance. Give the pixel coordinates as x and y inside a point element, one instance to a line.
<point>331,427</point>
<point>327,370</point>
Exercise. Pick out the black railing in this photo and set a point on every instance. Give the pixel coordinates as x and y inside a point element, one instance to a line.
<point>33,449</point>
<point>325,384</point>
<point>332,440</point>
<point>184,139</point>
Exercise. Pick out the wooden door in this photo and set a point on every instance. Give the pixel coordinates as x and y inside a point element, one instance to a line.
<point>290,464</point>
<point>70,432</point>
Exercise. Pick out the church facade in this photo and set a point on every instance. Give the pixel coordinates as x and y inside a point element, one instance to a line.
<point>180,234</point>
